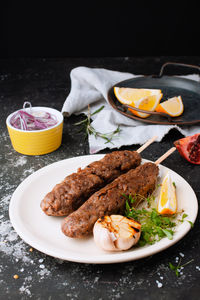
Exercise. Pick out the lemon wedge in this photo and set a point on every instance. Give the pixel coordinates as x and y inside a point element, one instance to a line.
<point>130,95</point>
<point>146,99</point>
<point>173,106</point>
<point>148,103</point>
<point>167,202</point>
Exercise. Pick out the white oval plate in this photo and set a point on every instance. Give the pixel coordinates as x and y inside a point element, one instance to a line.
<point>44,233</point>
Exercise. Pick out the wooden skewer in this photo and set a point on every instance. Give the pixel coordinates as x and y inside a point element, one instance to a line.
<point>165,155</point>
<point>149,142</point>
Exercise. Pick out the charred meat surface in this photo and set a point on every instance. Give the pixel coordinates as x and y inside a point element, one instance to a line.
<point>110,200</point>
<point>76,188</point>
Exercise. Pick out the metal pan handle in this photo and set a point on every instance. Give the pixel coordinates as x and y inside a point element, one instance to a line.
<point>148,112</point>
<point>176,64</point>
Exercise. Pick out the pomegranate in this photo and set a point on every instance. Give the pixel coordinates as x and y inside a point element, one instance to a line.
<point>189,148</point>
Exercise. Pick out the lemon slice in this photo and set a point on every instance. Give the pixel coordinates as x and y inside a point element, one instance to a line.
<point>147,99</point>
<point>148,103</point>
<point>167,202</point>
<point>131,95</point>
<point>173,106</point>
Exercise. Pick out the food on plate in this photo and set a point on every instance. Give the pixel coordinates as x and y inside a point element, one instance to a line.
<point>110,200</point>
<point>167,202</point>
<point>189,148</point>
<point>116,233</point>
<point>154,226</point>
<point>173,106</point>
<point>76,188</point>
<point>146,99</point>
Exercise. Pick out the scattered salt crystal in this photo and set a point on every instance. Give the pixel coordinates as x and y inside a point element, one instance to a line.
<point>41,260</point>
<point>161,277</point>
<point>22,270</point>
<point>21,161</point>
<point>181,254</point>
<point>44,273</point>
<point>176,259</point>
<point>198,268</point>
<point>4,200</point>
<point>12,236</point>
<point>29,278</point>
<point>25,289</point>
<point>10,244</point>
<point>96,279</point>
<point>159,284</point>
<point>42,266</point>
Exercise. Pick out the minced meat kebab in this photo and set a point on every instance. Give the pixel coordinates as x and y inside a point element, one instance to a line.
<point>76,188</point>
<point>110,199</point>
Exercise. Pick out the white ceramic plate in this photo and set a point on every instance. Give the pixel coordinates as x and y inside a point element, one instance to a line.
<point>44,233</point>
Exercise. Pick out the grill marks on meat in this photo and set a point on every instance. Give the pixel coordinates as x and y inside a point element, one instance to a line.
<point>109,200</point>
<point>76,188</point>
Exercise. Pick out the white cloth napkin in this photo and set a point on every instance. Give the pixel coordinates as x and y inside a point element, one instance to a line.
<point>90,86</point>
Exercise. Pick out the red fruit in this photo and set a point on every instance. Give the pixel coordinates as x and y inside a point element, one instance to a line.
<point>189,148</point>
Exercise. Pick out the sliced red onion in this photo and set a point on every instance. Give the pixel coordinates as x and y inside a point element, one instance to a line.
<point>37,120</point>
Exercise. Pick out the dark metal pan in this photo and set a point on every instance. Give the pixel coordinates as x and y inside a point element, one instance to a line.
<point>171,86</point>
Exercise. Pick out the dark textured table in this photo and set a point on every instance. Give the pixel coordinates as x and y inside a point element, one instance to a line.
<point>46,82</point>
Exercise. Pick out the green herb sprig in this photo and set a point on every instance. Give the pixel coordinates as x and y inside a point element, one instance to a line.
<point>184,216</point>
<point>154,226</point>
<point>177,269</point>
<point>89,129</point>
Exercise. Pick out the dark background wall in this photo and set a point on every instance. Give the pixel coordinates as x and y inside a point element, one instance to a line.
<point>98,28</point>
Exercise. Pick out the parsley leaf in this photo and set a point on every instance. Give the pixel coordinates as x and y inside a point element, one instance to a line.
<point>192,224</point>
<point>154,226</point>
<point>183,219</point>
<point>172,267</point>
<point>179,267</point>
<point>168,233</point>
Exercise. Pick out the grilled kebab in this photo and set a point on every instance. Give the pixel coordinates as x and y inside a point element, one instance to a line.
<point>76,188</point>
<point>110,199</point>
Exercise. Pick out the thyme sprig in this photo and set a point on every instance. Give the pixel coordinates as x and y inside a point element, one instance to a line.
<point>90,130</point>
